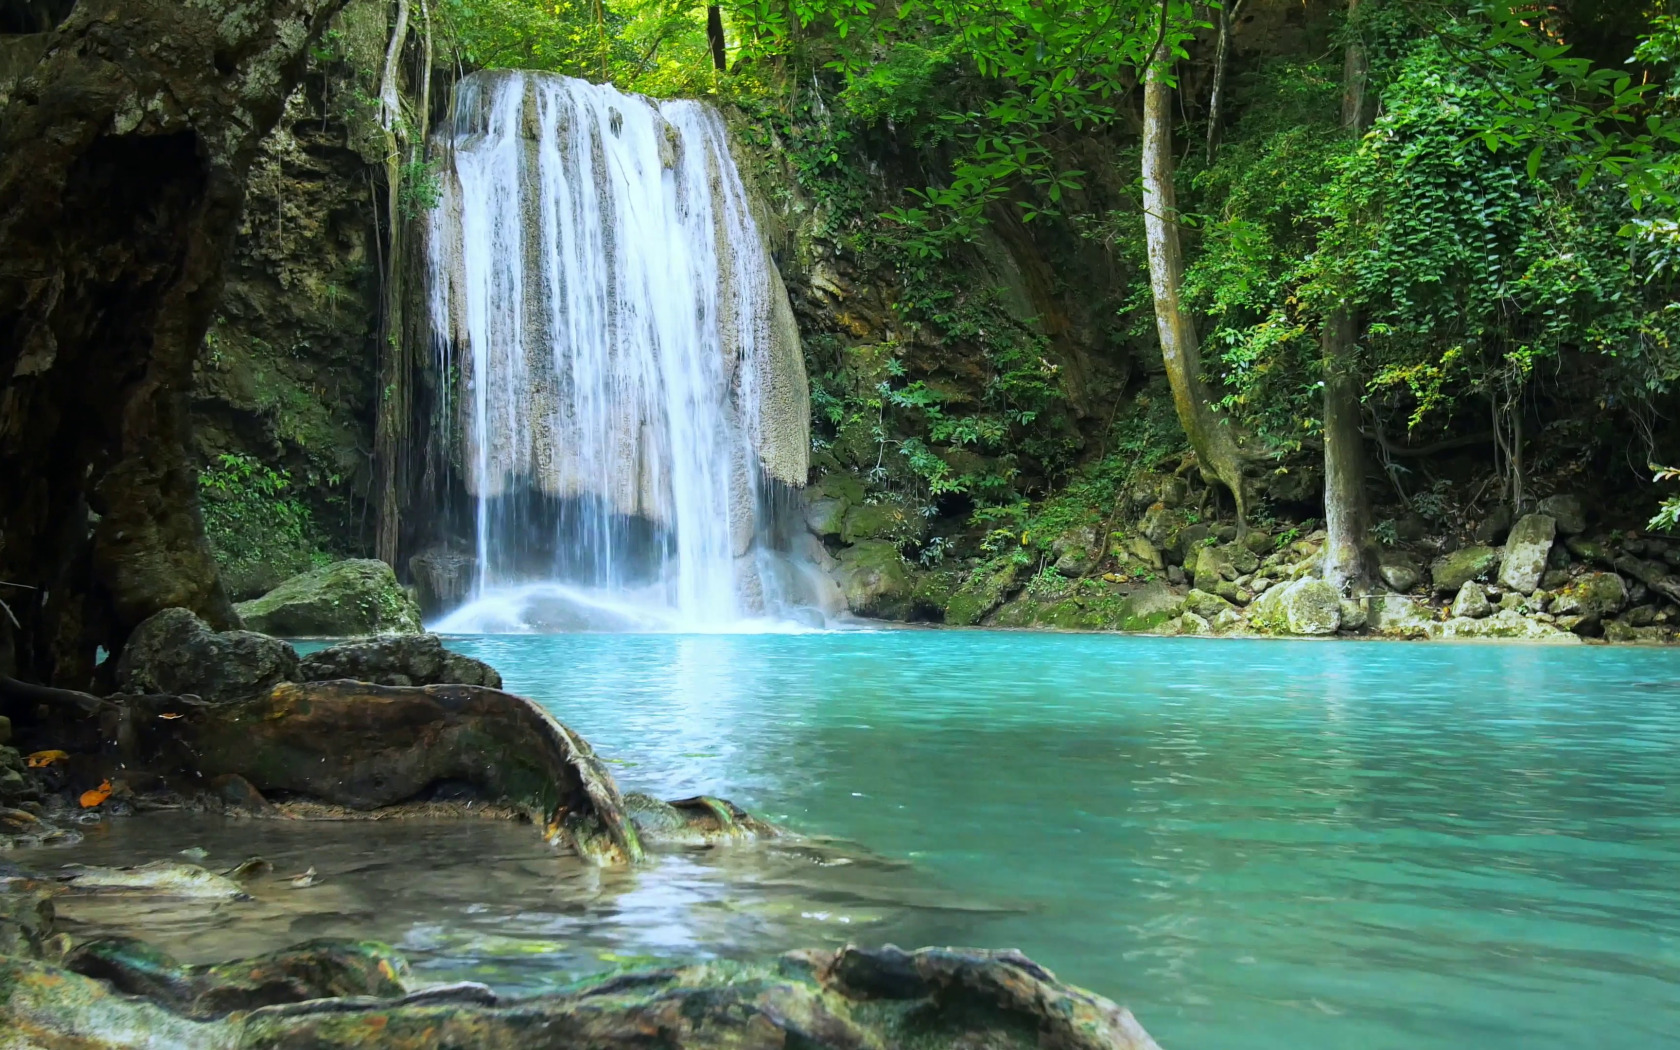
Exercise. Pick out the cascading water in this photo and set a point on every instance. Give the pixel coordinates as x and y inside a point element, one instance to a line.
<point>628,389</point>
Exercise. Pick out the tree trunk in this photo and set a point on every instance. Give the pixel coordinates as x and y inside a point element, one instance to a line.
<point>1225,13</point>
<point>1348,557</point>
<point>123,160</point>
<point>714,36</point>
<point>1209,431</point>
<point>392,394</point>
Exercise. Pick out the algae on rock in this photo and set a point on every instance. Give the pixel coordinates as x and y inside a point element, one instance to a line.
<point>348,598</point>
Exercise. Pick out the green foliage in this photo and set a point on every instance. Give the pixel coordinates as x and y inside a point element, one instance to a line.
<point>254,520</point>
<point>421,188</point>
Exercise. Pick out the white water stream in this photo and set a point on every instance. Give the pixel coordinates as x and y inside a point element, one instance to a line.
<point>627,382</point>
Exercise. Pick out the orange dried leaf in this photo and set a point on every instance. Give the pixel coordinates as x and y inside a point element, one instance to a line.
<point>99,794</point>
<point>42,759</point>
<point>170,714</point>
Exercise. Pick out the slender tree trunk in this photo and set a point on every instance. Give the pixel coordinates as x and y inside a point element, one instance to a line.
<point>1209,432</point>
<point>1224,15</point>
<point>714,36</point>
<point>1348,556</point>
<point>388,424</point>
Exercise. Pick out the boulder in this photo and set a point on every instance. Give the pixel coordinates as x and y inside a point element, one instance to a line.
<point>1156,525</point>
<point>1149,607</point>
<point>979,595</point>
<point>1567,511</point>
<point>345,599</point>
<point>1398,570</point>
<point>443,579</point>
<point>827,502</point>
<point>1226,622</point>
<point>1505,624</point>
<point>1225,561</point>
<point>361,748</point>
<point>1592,596</point>
<point>1355,614</point>
<point>1526,550</point>
<point>1622,631</point>
<point>173,651</point>
<point>1653,574</point>
<point>1305,606</point>
<point>1145,553</point>
<point>1395,616</point>
<point>1452,571</point>
<point>1190,623</point>
<point>1188,541</point>
<point>398,659</point>
<point>1074,551</point>
<point>1594,551</point>
<point>1472,601</point>
<point>875,581</point>
<point>1204,604</point>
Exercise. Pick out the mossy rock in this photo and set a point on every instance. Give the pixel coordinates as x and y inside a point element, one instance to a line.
<point>982,593</point>
<point>1592,595</point>
<point>1306,606</point>
<point>1504,624</point>
<point>345,599</point>
<point>1454,570</point>
<point>1150,606</point>
<point>876,581</point>
<point>885,520</point>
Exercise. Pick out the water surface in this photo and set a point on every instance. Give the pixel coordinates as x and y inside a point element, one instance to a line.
<point>1253,844</point>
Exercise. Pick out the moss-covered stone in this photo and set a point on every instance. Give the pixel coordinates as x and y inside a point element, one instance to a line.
<point>1593,595</point>
<point>1451,571</point>
<point>1504,624</point>
<point>982,593</point>
<point>1396,616</point>
<point>176,652</point>
<point>1307,606</point>
<point>875,581</point>
<point>882,520</point>
<point>1149,606</point>
<point>348,598</point>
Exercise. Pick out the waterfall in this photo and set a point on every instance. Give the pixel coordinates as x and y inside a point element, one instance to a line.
<point>620,366</point>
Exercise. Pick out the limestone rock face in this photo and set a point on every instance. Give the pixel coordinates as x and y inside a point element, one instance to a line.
<point>443,578</point>
<point>875,581</point>
<point>1306,606</point>
<point>1472,601</point>
<point>399,659</point>
<point>1592,596</point>
<point>1451,571</point>
<point>1526,550</point>
<point>1567,511</point>
<point>176,652</point>
<point>345,599</point>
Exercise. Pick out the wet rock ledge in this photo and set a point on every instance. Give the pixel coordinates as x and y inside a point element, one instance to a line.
<point>398,726</point>
<point>119,993</point>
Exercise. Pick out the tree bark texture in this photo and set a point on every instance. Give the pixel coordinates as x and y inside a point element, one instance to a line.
<point>1224,14</point>
<point>1348,556</point>
<point>123,159</point>
<point>714,37</point>
<point>1209,431</point>
<point>392,396</point>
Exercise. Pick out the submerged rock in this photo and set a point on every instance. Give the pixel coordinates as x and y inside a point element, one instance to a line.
<point>698,821</point>
<point>175,652</point>
<point>398,659</point>
<point>325,995</point>
<point>1306,606</point>
<point>345,599</point>
<point>158,879</point>
<point>1526,551</point>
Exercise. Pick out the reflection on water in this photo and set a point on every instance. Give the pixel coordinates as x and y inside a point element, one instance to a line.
<point>1255,845</point>
<point>487,901</point>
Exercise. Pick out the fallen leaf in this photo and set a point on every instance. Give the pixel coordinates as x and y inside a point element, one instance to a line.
<point>99,794</point>
<point>170,714</point>
<point>42,759</point>
<point>305,880</point>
